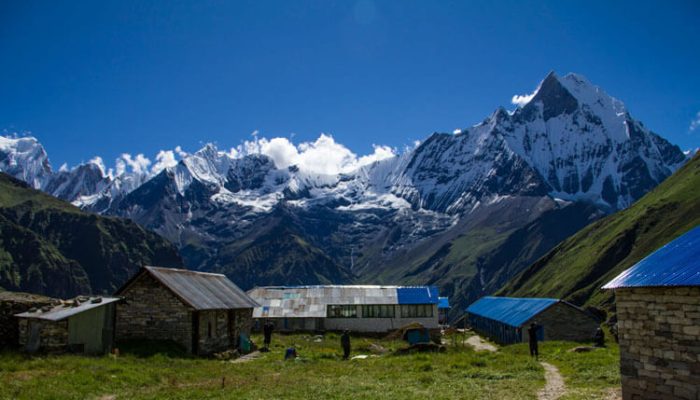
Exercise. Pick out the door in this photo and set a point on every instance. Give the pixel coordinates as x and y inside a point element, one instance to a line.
<point>34,340</point>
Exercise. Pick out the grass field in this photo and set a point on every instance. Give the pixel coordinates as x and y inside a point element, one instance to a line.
<point>319,373</point>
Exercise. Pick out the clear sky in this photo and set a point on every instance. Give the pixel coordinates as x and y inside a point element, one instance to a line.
<point>104,77</point>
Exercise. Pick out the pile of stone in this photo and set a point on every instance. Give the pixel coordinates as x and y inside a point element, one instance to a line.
<point>12,303</point>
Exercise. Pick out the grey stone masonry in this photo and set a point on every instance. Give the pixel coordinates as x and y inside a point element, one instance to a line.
<point>152,311</point>
<point>659,332</point>
<point>219,329</point>
<point>53,335</point>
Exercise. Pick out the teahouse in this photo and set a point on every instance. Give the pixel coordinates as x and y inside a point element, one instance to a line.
<point>203,312</point>
<point>658,312</point>
<point>358,308</point>
<point>505,319</point>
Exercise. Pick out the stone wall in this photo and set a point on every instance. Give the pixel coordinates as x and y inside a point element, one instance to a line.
<point>12,303</point>
<point>564,322</point>
<point>216,333</point>
<point>242,322</point>
<point>213,331</point>
<point>659,332</point>
<point>153,312</point>
<point>53,335</point>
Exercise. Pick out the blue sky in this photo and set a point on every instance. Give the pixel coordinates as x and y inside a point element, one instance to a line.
<point>101,78</point>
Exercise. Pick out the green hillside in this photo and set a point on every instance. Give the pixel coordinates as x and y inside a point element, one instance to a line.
<point>577,268</point>
<point>48,246</point>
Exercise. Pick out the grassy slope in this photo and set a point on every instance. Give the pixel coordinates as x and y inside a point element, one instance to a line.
<point>476,258</point>
<point>459,373</point>
<point>580,265</point>
<point>50,247</point>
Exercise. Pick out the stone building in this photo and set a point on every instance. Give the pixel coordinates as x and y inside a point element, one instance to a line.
<point>82,325</point>
<point>13,303</point>
<point>358,308</point>
<point>203,312</point>
<point>506,319</point>
<point>658,313</point>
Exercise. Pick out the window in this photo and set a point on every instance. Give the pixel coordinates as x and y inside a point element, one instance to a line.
<point>342,311</point>
<point>378,311</point>
<point>416,311</point>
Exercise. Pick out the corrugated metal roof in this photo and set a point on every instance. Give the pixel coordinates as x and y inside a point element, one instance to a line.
<point>417,295</point>
<point>512,311</point>
<point>675,264</point>
<point>65,310</point>
<point>201,290</point>
<point>312,301</point>
<point>443,302</point>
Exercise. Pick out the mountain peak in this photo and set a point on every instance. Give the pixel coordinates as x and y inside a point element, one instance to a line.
<point>554,96</point>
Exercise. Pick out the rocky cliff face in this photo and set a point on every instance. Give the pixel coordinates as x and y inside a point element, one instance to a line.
<point>433,214</point>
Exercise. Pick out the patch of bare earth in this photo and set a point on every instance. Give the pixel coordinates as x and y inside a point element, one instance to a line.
<point>480,345</point>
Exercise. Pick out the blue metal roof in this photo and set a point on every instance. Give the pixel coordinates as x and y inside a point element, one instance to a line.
<point>675,264</point>
<point>512,311</point>
<point>443,302</point>
<point>417,295</point>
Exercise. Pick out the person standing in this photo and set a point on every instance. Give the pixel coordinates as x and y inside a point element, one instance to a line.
<point>599,337</point>
<point>345,344</point>
<point>532,333</point>
<point>267,333</point>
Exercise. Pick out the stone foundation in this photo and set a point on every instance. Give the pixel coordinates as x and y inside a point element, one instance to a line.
<point>659,332</point>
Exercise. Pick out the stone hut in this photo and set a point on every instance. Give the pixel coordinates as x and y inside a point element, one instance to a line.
<point>506,319</point>
<point>658,313</point>
<point>203,312</point>
<point>13,303</point>
<point>82,325</point>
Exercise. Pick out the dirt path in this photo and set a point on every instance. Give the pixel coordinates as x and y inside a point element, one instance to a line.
<point>554,387</point>
<point>479,344</point>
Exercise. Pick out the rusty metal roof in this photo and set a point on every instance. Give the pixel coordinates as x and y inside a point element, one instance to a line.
<point>201,290</point>
<point>67,309</point>
<point>312,301</point>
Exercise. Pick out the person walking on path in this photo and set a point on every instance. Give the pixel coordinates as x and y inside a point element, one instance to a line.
<point>345,344</point>
<point>267,333</point>
<point>532,333</point>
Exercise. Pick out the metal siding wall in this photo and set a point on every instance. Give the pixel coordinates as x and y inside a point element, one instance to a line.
<point>499,332</point>
<point>86,329</point>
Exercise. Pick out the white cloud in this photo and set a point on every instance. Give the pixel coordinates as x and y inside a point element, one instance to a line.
<point>322,156</point>
<point>180,152</point>
<point>380,153</point>
<point>521,100</point>
<point>164,159</point>
<point>138,165</point>
<point>695,123</point>
<point>97,161</point>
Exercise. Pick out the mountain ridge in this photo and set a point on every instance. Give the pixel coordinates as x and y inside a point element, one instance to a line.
<point>570,149</point>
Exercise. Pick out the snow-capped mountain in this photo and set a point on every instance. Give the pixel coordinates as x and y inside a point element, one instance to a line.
<point>25,159</point>
<point>570,150</point>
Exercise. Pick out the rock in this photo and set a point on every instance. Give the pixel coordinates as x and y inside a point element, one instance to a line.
<point>377,348</point>
<point>227,355</point>
<point>581,349</point>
